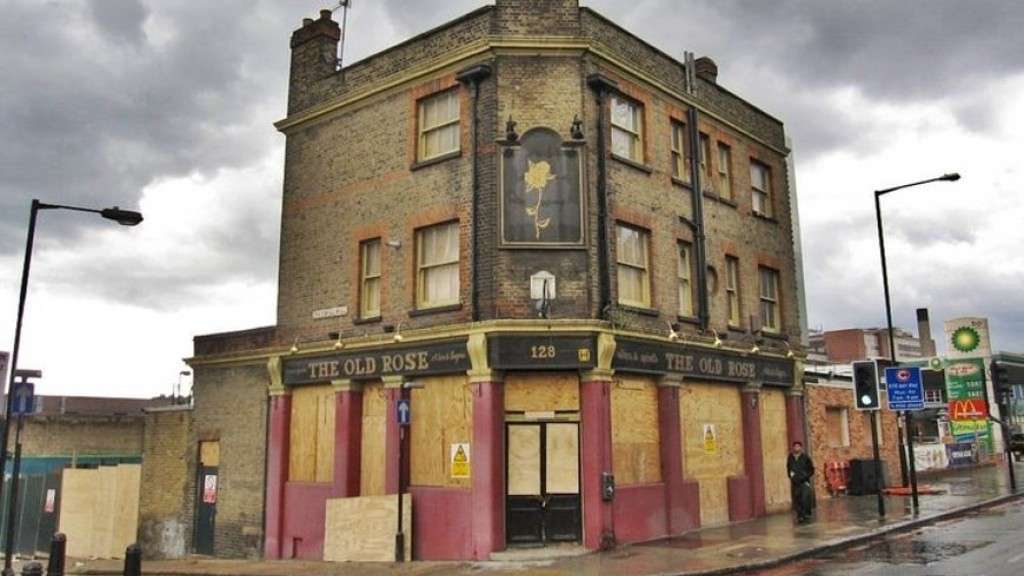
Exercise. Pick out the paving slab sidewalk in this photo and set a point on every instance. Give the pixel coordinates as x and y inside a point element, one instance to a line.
<point>758,544</point>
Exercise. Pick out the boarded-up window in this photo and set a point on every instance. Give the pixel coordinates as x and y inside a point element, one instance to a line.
<point>636,453</point>
<point>444,416</point>
<point>542,392</point>
<point>374,435</point>
<point>311,441</point>
<point>837,425</point>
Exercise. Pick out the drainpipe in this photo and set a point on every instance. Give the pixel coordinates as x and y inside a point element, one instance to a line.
<point>601,85</point>
<point>699,237</point>
<point>472,77</point>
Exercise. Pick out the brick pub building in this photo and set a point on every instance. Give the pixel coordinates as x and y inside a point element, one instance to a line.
<point>571,253</point>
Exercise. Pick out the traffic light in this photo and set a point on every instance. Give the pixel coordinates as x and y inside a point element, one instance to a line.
<point>1000,377</point>
<point>865,386</point>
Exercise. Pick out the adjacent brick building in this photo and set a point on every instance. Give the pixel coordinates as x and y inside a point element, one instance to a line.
<point>570,252</point>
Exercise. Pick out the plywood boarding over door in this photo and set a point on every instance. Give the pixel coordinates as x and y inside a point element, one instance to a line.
<point>442,415</point>
<point>209,453</point>
<point>718,405</point>
<point>775,450</point>
<point>636,452</point>
<point>311,438</point>
<point>542,392</point>
<point>374,435</point>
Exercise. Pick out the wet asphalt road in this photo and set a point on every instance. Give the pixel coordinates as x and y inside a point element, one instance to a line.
<point>986,543</point>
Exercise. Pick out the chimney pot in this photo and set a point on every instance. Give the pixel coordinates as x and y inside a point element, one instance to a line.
<point>325,14</point>
<point>706,69</point>
<point>307,21</point>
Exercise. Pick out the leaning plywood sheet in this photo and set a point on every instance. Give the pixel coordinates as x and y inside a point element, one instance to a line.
<point>363,529</point>
<point>100,509</point>
<point>78,508</point>
<point>126,512</point>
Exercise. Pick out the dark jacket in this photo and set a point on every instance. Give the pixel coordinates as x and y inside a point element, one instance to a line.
<point>800,468</point>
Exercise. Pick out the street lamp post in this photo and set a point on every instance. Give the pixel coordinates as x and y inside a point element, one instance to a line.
<point>953,177</point>
<point>123,217</point>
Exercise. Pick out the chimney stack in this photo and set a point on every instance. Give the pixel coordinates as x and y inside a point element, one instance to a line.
<point>314,56</point>
<point>707,69</point>
<point>924,333</point>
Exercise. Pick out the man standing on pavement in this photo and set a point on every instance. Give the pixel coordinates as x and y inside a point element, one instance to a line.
<point>800,469</point>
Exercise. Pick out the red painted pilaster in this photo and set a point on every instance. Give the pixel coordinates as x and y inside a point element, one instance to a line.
<point>277,472</point>
<point>393,391</point>
<point>753,456</point>
<point>595,400</point>
<point>348,428</point>
<point>672,457</point>
<point>487,453</point>
<point>795,417</point>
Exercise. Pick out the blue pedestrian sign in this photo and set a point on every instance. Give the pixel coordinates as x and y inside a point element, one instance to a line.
<point>404,412</point>
<point>24,398</point>
<point>905,388</point>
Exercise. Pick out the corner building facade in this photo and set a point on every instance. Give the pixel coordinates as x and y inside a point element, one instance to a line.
<point>571,254</point>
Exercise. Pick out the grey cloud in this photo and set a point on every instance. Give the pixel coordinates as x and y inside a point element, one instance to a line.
<point>119,19</point>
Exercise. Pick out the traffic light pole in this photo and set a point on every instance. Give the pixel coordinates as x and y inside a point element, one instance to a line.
<point>908,424</point>
<point>877,463</point>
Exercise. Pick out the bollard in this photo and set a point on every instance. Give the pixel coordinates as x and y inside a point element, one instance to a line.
<point>58,546</point>
<point>32,569</point>
<point>133,560</point>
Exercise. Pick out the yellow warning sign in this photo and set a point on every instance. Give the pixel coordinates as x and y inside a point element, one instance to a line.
<point>460,460</point>
<point>710,439</point>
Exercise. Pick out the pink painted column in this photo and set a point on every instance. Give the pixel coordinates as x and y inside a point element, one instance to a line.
<point>393,391</point>
<point>348,430</point>
<point>795,416</point>
<point>488,457</point>
<point>671,437</point>
<point>753,455</point>
<point>277,471</point>
<point>595,400</point>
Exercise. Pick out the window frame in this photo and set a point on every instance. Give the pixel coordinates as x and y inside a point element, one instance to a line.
<point>684,263</point>
<point>421,270</point>
<point>680,157</point>
<point>422,130</point>
<point>645,267</point>
<point>844,426</point>
<point>768,211</point>
<point>732,292</point>
<point>636,134</point>
<point>365,278</point>
<point>772,300</point>
<point>725,188</point>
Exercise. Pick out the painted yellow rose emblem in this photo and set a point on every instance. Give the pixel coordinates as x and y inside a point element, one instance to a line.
<point>538,174</point>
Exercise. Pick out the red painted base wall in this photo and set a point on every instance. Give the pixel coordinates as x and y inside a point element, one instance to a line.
<point>305,508</point>
<point>442,523</point>
<point>640,513</point>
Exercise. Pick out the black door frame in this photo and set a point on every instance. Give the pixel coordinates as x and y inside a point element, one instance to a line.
<point>544,498</point>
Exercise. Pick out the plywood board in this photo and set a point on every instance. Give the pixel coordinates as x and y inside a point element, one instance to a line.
<point>311,437</point>
<point>362,529</point>
<point>209,454</point>
<point>636,451</point>
<point>99,510</point>
<point>562,458</point>
<point>717,404</point>
<point>442,415</point>
<point>775,450</point>
<point>542,392</point>
<point>524,460</point>
<point>373,457</point>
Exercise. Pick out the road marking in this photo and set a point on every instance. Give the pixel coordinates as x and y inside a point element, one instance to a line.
<point>1016,558</point>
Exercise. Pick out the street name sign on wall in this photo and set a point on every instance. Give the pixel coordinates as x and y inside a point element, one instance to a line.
<point>905,388</point>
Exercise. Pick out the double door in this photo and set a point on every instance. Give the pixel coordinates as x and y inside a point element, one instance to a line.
<point>543,481</point>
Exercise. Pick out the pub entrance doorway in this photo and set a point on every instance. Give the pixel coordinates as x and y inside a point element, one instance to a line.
<point>543,482</point>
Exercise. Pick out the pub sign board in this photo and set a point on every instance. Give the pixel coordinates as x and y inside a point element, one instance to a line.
<point>410,360</point>
<point>541,351</point>
<point>541,192</point>
<point>660,358</point>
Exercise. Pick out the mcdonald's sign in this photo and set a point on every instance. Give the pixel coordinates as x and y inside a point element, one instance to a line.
<point>968,409</point>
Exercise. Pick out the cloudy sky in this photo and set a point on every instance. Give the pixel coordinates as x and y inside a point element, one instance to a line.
<point>167,105</point>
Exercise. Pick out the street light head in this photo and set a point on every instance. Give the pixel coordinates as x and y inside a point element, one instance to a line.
<point>953,177</point>
<point>122,217</point>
